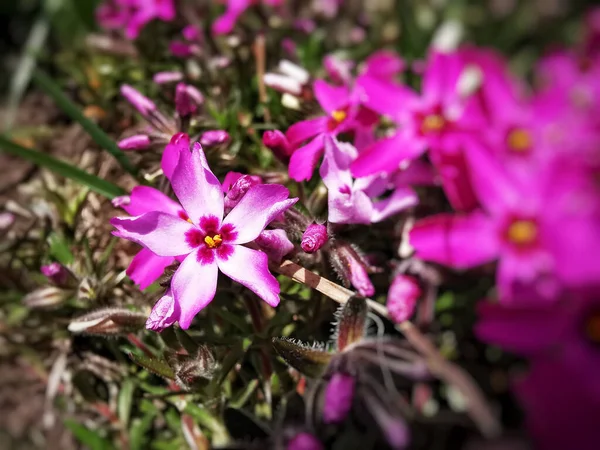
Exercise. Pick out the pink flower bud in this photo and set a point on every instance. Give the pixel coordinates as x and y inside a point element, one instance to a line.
<point>136,142</point>
<point>339,394</point>
<point>59,275</point>
<point>239,189</point>
<point>6,220</point>
<point>304,441</point>
<point>164,313</point>
<point>289,47</point>
<point>167,77</point>
<point>360,279</point>
<point>276,141</point>
<point>192,33</point>
<point>314,238</point>
<point>214,137</point>
<point>181,49</point>
<point>187,99</point>
<point>402,297</point>
<point>275,244</point>
<point>140,102</point>
<point>339,70</point>
<point>122,200</point>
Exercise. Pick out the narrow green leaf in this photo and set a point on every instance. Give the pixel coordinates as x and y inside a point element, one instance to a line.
<point>125,400</point>
<point>93,182</point>
<point>153,365</point>
<point>45,83</point>
<point>89,438</point>
<point>59,248</point>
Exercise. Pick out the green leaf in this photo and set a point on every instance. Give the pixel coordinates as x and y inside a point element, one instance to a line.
<point>89,438</point>
<point>125,400</point>
<point>93,182</point>
<point>153,365</point>
<point>59,249</point>
<point>45,83</point>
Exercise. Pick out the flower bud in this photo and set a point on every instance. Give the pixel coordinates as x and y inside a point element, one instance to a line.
<point>309,361</point>
<point>167,77</point>
<point>6,220</point>
<point>108,322</point>
<point>46,297</point>
<point>59,275</point>
<point>181,49</point>
<point>339,394</point>
<point>351,323</point>
<point>402,297</point>
<point>314,238</point>
<point>164,313</point>
<point>275,244</point>
<point>196,371</point>
<point>290,69</point>
<point>304,441</point>
<point>120,201</point>
<point>283,83</point>
<point>187,99</point>
<point>276,141</point>
<point>140,102</point>
<point>136,142</point>
<point>239,189</point>
<point>351,268</point>
<point>214,137</point>
<point>192,33</point>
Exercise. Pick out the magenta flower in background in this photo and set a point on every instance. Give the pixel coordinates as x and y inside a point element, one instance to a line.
<point>207,242</point>
<point>351,201</point>
<point>339,395</point>
<point>234,9</point>
<point>402,297</point>
<point>442,119</point>
<point>561,341</point>
<point>344,113</point>
<point>133,15</point>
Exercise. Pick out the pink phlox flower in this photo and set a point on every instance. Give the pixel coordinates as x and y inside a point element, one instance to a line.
<point>190,44</point>
<point>561,342</point>
<point>442,119</point>
<point>206,241</point>
<point>515,226</point>
<point>344,113</point>
<point>352,201</point>
<point>233,10</point>
<point>133,15</point>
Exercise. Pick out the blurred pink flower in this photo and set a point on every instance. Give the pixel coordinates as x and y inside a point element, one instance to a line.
<point>133,15</point>
<point>234,9</point>
<point>205,240</point>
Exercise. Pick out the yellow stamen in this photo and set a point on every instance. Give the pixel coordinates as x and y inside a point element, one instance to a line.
<point>522,232</point>
<point>339,115</point>
<point>213,242</point>
<point>519,140</point>
<point>592,327</point>
<point>190,220</point>
<point>433,123</point>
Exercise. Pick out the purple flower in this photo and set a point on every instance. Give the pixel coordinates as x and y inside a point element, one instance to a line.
<point>235,8</point>
<point>402,297</point>
<point>236,189</point>
<point>133,15</point>
<point>304,441</point>
<point>164,313</point>
<point>205,240</point>
<point>278,143</point>
<point>314,237</point>
<point>136,142</point>
<point>275,244</point>
<point>350,201</point>
<point>214,137</point>
<point>339,395</point>
<point>59,275</point>
<point>187,99</point>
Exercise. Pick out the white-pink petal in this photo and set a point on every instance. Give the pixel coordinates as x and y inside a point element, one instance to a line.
<point>161,233</point>
<point>194,286</point>
<point>251,269</point>
<point>261,204</point>
<point>196,186</point>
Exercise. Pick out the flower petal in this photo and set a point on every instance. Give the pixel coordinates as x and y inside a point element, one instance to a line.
<point>331,98</point>
<point>251,269</point>
<point>179,142</point>
<point>384,97</point>
<point>194,286</point>
<point>164,313</point>
<point>301,131</point>
<point>161,233</point>
<point>275,244</point>
<point>401,198</point>
<point>146,267</point>
<point>386,155</point>
<point>196,186</point>
<point>145,199</point>
<point>261,204</point>
<point>454,240</point>
<point>305,159</point>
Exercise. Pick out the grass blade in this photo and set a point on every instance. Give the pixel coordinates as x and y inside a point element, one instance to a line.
<point>45,83</point>
<point>60,167</point>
